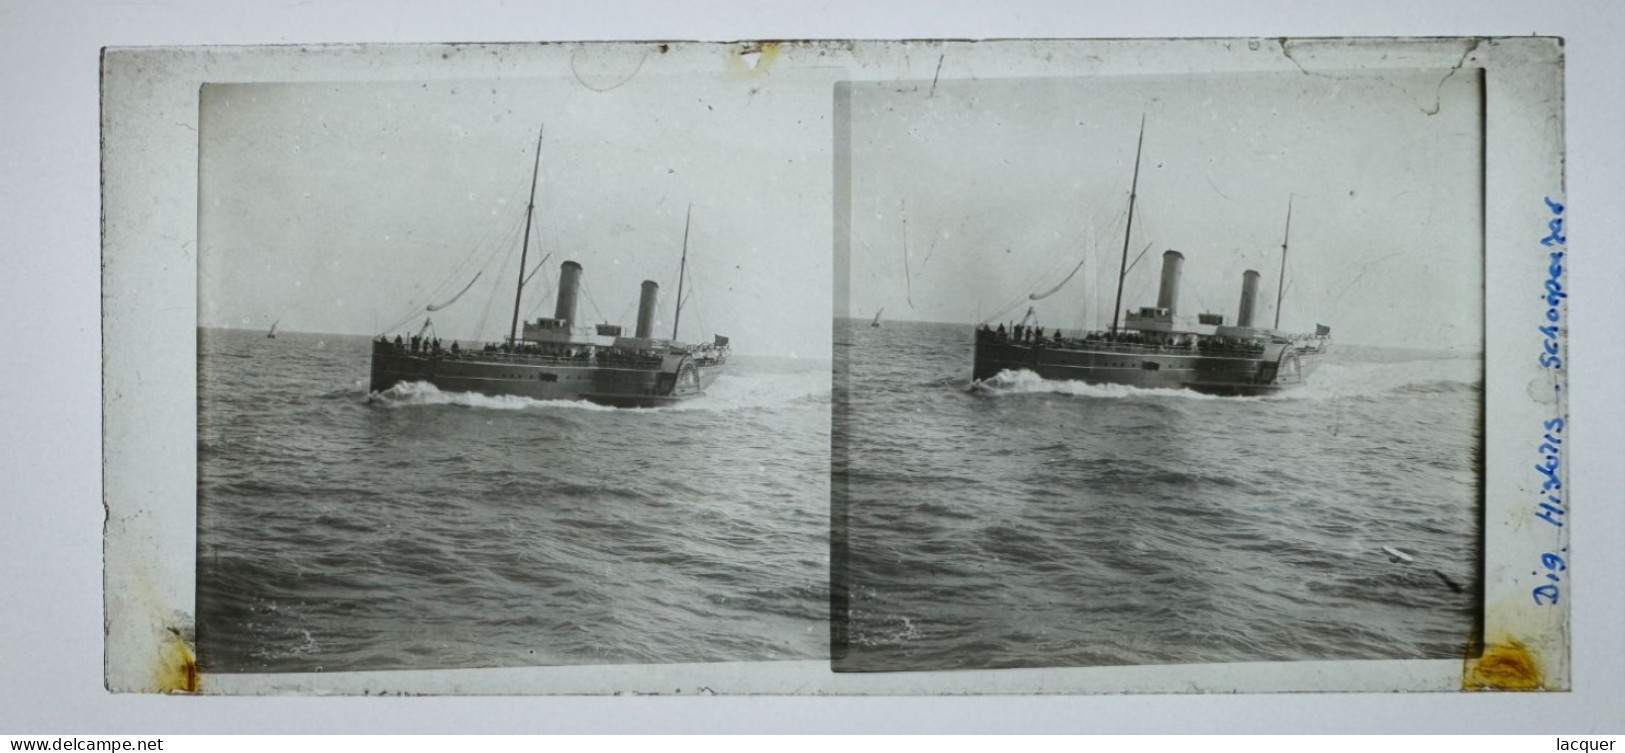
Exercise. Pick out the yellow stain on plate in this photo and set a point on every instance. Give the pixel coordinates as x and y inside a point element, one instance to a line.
<point>177,668</point>
<point>1505,665</point>
<point>754,59</point>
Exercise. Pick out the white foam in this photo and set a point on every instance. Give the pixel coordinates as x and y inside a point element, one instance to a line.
<point>1024,381</point>
<point>1329,382</point>
<point>423,393</point>
<point>761,390</point>
<point>728,392</point>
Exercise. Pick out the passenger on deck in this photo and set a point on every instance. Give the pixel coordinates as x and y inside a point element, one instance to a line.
<point>397,342</point>
<point>1001,331</point>
<point>454,346</point>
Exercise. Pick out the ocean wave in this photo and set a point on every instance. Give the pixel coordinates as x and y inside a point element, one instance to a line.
<point>729,392</point>
<point>1438,388</point>
<point>1028,382</point>
<point>408,394</point>
<point>1437,376</point>
<point>759,390</point>
<point>1331,381</point>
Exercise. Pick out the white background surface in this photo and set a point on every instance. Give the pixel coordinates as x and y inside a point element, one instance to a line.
<point>50,515</point>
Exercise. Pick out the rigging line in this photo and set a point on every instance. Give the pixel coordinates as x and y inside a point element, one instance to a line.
<point>1280,287</point>
<point>485,314</point>
<point>1062,283</point>
<point>432,307</point>
<point>500,243</point>
<point>592,301</point>
<point>677,316</point>
<point>457,271</point>
<point>398,324</point>
<point>548,288</point>
<point>1128,230</point>
<point>1138,258</point>
<point>524,248</point>
<point>536,305</point>
<point>417,303</point>
<point>1058,286</point>
<point>504,242</point>
<point>536,269</point>
<point>1019,298</point>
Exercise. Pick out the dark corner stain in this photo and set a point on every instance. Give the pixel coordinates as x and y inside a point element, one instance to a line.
<point>664,48</point>
<point>177,665</point>
<point>1505,665</point>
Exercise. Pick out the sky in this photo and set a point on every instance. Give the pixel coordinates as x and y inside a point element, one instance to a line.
<point>351,207</point>
<point>971,196</point>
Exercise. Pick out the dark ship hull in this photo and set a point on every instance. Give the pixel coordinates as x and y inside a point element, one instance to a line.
<point>557,358</point>
<point>1157,349</point>
<point>1279,367</point>
<point>630,382</point>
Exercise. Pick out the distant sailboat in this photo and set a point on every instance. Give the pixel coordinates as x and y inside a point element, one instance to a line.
<point>876,322</point>
<point>272,333</point>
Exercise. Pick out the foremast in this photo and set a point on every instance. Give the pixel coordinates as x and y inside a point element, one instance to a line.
<point>1128,230</point>
<point>682,269</point>
<point>1280,286</point>
<point>524,248</point>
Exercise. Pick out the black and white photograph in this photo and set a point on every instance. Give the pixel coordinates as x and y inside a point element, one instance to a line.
<point>835,368</point>
<point>513,372</point>
<point>1173,369</point>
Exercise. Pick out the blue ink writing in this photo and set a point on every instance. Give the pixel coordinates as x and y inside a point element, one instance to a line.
<point>1550,506</point>
<point>1550,509</point>
<point>1547,594</point>
<point>1554,292</point>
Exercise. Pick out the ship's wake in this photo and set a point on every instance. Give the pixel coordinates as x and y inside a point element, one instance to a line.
<point>410,394</point>
<point>1333,381</point>
<point>761,390</point>
<point>729,392</point>
<point>1026,382</point>
<point>1357,379</point>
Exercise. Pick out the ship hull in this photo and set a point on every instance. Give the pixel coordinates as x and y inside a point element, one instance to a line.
<point>1279,368</point>
<point>673,379</point>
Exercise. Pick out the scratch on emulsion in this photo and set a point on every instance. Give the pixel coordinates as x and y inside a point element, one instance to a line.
<point>1472,46</point>
<point>574,71</point>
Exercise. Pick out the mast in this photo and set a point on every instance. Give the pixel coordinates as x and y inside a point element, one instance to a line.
<point>1122,267</point>
<point>524,248</point>
<point>1280,287</point>
<point>681,270</point>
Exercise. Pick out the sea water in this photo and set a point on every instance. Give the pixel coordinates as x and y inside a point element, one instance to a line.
<point>1039,523</point>
<point>423,529</point>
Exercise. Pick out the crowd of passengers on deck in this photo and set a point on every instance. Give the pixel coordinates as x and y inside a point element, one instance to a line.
<point>1023,333</point>
<point>432,346</point>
